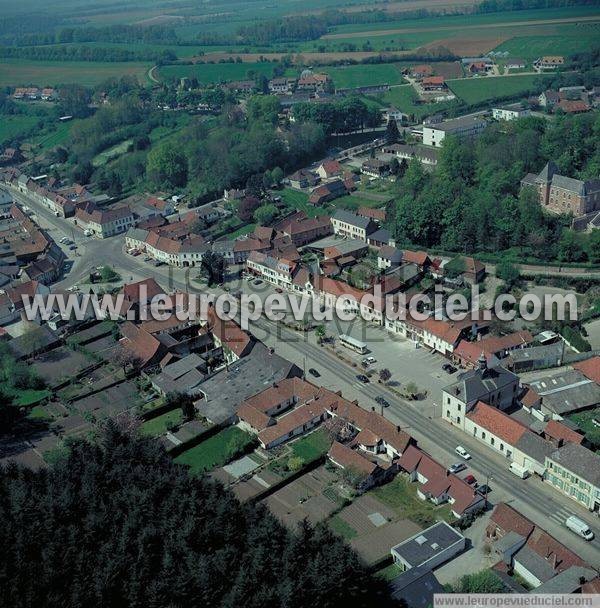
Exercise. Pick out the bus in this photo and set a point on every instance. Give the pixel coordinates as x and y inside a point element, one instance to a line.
<point>352,343</point>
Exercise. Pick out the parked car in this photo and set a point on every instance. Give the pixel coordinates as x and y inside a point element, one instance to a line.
<point>278,290</point>
<point>462,452</point>
<point>72,247</point>
<point>449,369</point>
<point>579,527</point>
<point>484,489</point>
<point>362,378</point>
<point>313,372</point>
<point>369,360</point>
<point>470,479</point>
<point>457,467</point>
<point>382,401</point>
<point>257,282</point>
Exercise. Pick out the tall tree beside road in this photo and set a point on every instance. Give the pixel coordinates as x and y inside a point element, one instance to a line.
<point>167,166</point>
<point>214,266</point>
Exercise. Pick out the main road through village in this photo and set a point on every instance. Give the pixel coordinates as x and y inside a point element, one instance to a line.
<point>422,420</point>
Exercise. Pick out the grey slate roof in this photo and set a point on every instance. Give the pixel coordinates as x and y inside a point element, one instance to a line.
<point>535,447</point>
<point>228,388</point>
<point>458,123</point>
<point>381,236</point>
<point>416,587</point>
<point>475,384</point>
<point>567,581</point>
<point>424,545</point>
<point>536,564</point>
<point>351,218</point>
<point>579,460</point>
<point>566,392</point>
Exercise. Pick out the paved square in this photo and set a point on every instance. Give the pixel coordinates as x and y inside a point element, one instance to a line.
<point>377,519</point>
<point>241,467</point>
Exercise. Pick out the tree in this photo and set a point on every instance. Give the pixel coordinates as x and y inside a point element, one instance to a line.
<point>385,375</point>
<point>411,390</point>
<point>392,135</point>
<point>320,333</point>
<point>33,339</point>
<point>167,166</point>
<point>508,272</point>
<point>484,581</point>
<point>126,358</point>
<point>254,185</point>
<point>265,214</point>
<point>124,522</point>
<point>214,266</point>
<point>109,275</point>
<point>276,176</point>
<point>394,166</point>
<point>570,248</point>
<point>295,463</point>
<point>247,206</point>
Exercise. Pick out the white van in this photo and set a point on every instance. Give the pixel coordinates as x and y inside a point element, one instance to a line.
<point>518,470</point>
<point>579,527</point>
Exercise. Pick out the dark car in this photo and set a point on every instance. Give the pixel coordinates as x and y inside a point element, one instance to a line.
<point>449,369</point>
<point>257,282</point>
<point>72,247</point>
<point>484,489</point>
<point>470,479</point>
<point>313,372</point>
<point>362,378</point>
<point>382,401</point>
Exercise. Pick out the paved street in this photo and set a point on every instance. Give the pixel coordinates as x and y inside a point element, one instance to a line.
<point>421,419</point>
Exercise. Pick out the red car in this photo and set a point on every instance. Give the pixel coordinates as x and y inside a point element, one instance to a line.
<point>470,479</point>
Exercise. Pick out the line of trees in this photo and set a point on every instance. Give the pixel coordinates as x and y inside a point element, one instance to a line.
<point>117,523</point>
<point>85,53</point>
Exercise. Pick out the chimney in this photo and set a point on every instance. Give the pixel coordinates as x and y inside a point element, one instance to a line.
<point>398,429</point>
<point>372,408</point>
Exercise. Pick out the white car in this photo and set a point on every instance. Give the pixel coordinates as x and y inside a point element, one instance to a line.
<point>462,452</point>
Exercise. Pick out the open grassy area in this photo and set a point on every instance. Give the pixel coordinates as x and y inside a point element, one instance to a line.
<point>405,99</point>
<point>400,494</point>
<point>13,126</point>
<point>38,413</point>
<point>342,528</point>
<point>352,76</point>
<point>247,229</point>
<point>16,72</point>
<point>161,424</point>
<point>312,446</point>
<point>112,153</point>
<point>208,73</point>
<point>215,451</point>
<point>353,201</point>
<point>532,47</point>
<point>24,398</point>
<point>477,90</point>
<point>297,200</point>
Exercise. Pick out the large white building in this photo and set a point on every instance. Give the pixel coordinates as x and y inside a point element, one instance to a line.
<point>465,126</point>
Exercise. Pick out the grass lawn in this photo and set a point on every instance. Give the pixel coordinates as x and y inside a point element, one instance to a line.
<point>208,73</point>
<point>111,153</point>
<point>17,72</point>
<point>312,446</point>
<point>342,528</point>
<point>24,398</point>
<point>12,126</point>
<point>352,202</point>
<point>400,494</point>
<point>243,230</point>
<point>389,573</point>
<point>215,451</point>
<point>405,99</point>
<point>584,421</point>
<point>477,90</point>
<point>352,76</point>
<point>54,137</point>
<point>159,425</point>
<point>298,201</point>
<point>38,413</point>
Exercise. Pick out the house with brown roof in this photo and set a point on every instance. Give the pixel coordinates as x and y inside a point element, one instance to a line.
<point>573,106</point>
<point>302,230</point>
<point>303,178</point>
<point>590,368</point>
<point>147,349</point>
<point>433,83</point>
<point>438,485</point>
<point>329,168</point>
<point>366,472</point>
<point>377,215</point>
<point>549,62</point>
<point>527,550</point>
<point>227,334</point>
<point>468,353</point>
<point>421,71</point>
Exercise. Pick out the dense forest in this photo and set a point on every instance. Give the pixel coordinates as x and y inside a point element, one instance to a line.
<point>117,523</point>
<point>473,202</point>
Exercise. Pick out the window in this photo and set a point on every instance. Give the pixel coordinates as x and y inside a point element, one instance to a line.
<point>459,407</point>
<point>492,440</point>
<point>458,419</point>
<point>447,413</point>
<point>483,435</point>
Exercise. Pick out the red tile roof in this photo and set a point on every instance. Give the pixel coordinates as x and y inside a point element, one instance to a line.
<point>132,291</point>
<point>506,519</point>
<point>255,418</point>
<point>347,458</point>
<point>230,334</point>
<point>556,430</point>
<point>375,214</point>
<point>497,422</point>
<point>420,258</point>
<point>590,368</point>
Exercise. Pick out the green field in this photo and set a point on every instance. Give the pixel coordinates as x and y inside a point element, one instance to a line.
<point>17,72</point>
<point>405,99</point>
<point>159,425</point>
<point>312,446</point>
<point>215,451</point>
<point>298,201</point>
<point>531,47</point>
<point>208,73</point>
<point>342,528</point>
<point>111,153</point>
<point>477,90</point>
<point>13,126</point>
<point>54,137</point>
<point>352,76</point>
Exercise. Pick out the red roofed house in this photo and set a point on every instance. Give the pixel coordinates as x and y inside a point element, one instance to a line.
<point>421,71</point>
<point>574,106</point>
<point>590,368</point>
<point>367,473</point>
<point>530,552</point>
<point>144,346</point>
<point>374,214</point>
<point>559,434</point>
<point>433,83</point>
<point>438,485</point>
<point>468,353</point>
<point>235,342</point>
<point>104,223</point>
<point>420,258</point>
<point>329,168</point>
